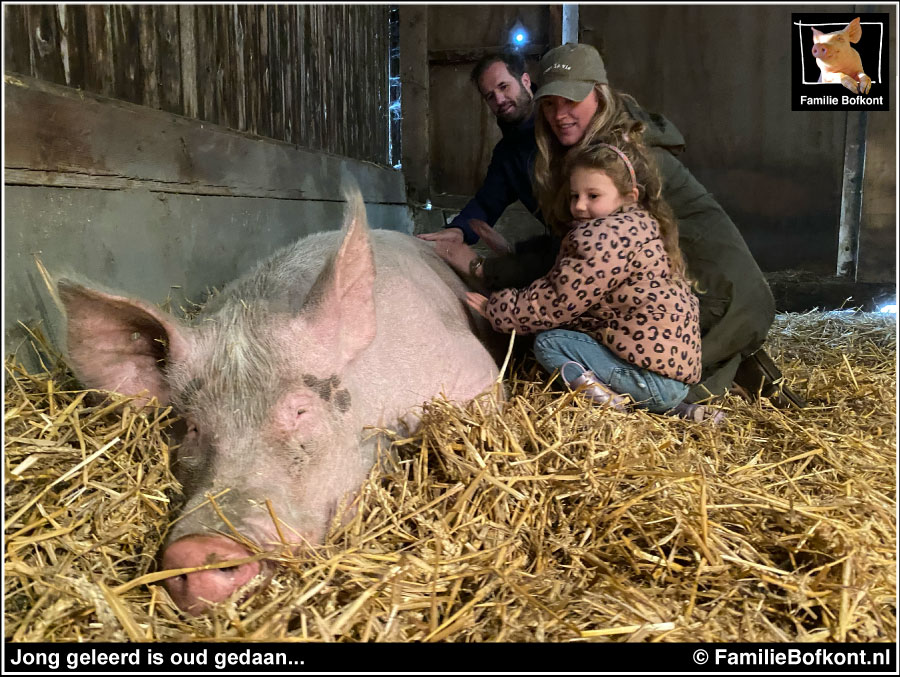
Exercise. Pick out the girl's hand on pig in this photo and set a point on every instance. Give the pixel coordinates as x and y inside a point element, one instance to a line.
<point>478,303</point>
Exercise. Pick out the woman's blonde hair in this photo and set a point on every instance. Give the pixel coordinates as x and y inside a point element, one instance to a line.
<point>611,124</point>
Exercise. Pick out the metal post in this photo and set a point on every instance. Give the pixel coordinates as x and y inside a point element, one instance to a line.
<point>569,23</point>
<point>852,193</point>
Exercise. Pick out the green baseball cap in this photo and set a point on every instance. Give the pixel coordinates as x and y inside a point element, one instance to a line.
<point>570,71</point>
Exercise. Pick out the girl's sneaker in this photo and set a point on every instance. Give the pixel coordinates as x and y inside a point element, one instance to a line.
<point>589,385</point>
<point>700,413</point>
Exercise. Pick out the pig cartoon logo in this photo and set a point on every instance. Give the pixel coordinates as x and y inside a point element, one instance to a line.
<point>838,62</point>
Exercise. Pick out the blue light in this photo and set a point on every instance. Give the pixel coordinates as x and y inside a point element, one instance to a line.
<point>518,36</point>
<point>889,308</point>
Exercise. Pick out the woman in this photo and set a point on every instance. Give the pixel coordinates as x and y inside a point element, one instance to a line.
<point>576,107</point>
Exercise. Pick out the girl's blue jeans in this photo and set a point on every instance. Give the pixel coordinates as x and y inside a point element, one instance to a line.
<point>652,391</point>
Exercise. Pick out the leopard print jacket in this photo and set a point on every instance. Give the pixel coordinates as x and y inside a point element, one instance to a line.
<point>611,281</point>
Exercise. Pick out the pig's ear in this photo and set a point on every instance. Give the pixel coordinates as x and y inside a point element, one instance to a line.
<point>341,304</point>
<point>817,34</point>
<point>116,343</point>
<point>854,30</point>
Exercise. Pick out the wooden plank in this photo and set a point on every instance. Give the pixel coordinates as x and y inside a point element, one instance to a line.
<point>149,53</point>
<point>459,57</point>
<point>332,118</point>
<point>238,63</point>
<point>99,77</point>
<point>126,53</point>
<point>275,65</point>
<point>264,74</point>
<point>73,43</point>
<point>325,66</point>
<point>317,103</point>
<point>42,26</point>
<point>338,73</point>
<point>301,94</point>
<point>169,59</point>
<point>59,136</point>
<point>357,104</point>
<point>415,84</point>
<point>206,63</point>
<point>556,25</point>
<point>343,74</point>
<point>187,34</point>
<point>16,47</point>
<point>309,55</point>
<point>292,131</point>
<point>226,92</point>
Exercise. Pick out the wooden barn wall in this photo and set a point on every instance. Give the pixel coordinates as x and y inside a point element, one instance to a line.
<point>311,75</point>
<point>721,74</point>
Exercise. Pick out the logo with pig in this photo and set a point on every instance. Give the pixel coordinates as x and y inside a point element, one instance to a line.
<point>279,383</point>
<point>842,63</point>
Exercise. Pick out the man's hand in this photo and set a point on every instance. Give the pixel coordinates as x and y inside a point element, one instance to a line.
<point>458,255</point>
<point>491,237</point>
<point>447,235</point>
<point>478,303</point>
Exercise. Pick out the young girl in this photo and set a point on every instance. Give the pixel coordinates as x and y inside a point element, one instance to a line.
<point>616,315</point>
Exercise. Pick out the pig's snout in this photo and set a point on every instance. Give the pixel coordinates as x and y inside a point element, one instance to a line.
<point>820,51</point>
<point>194,592</point>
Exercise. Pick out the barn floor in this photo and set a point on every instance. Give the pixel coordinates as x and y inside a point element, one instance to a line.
<point>551,521</point>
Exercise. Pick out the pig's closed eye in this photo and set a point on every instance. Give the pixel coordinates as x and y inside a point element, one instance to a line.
<point>300,412</point>
<point>192,430</point>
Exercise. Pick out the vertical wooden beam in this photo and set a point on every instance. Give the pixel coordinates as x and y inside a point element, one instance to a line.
<point>169,55</point>
<point>188,46</point>
<point>851,193</point>
<point>414,100</point>
<point>556,25</point>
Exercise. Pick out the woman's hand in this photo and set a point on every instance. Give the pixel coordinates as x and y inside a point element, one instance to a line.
<point>494,240</point>
<point>447,236</point>
<point>478,303</point>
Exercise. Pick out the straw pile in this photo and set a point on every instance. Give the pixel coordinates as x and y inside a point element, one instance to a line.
<point>553,521</point>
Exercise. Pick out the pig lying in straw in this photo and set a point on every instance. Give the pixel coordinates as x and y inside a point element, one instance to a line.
<point>838,61</point>
<point>277,379</point>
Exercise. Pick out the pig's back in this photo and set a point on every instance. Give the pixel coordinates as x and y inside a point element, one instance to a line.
<point>283,280</point>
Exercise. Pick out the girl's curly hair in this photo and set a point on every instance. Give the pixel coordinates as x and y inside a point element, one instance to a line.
<point>598,156</point>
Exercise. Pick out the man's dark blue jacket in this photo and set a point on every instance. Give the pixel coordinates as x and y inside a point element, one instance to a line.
<point>508,179</point>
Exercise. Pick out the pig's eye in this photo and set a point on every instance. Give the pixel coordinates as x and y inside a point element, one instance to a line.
<point>192,429</point>
<point>300,412</point>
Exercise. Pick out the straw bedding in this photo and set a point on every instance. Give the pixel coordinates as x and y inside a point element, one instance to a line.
<point>551,521</point>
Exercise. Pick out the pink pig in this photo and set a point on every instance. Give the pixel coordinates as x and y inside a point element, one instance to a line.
<point>284,382</point>
<point>838,61</point>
